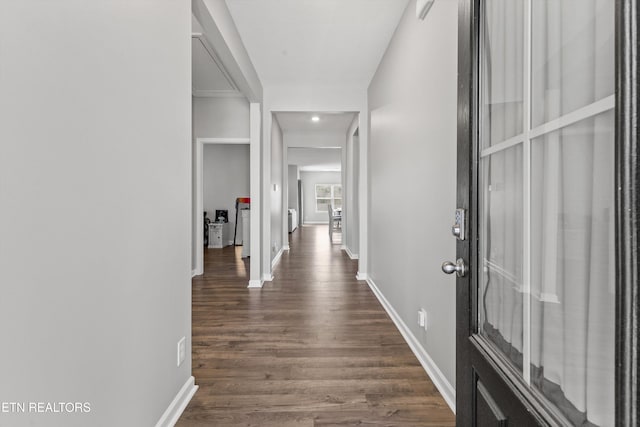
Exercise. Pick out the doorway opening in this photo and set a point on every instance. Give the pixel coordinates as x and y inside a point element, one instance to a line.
<point>222,225</point>
<point>318,187</point>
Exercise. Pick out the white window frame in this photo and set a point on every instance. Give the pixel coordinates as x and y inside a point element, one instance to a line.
<point>332,198</point>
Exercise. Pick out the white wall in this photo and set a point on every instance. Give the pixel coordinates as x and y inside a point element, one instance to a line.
<point>292,201</point>
<point>319,159</point>
<point>215,118</point>
<point>277,172</point>
<point>309,181</point>
<point>315,98</point>
<point>314,139</point>
<point>412,100</point>
<point>258,219</point>
<point>95,189</point>
<point>351,212</point>
<point>220,118</point>
<point>226,177</point>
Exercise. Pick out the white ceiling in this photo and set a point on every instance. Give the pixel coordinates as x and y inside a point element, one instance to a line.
<point>315,159</point>
<point>316,42</point>
<point>301,122</point>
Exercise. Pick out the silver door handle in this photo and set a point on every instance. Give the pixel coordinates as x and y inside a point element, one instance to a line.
<point>460,268</point>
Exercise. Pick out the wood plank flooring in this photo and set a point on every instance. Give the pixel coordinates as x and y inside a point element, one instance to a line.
<point>312,348</point>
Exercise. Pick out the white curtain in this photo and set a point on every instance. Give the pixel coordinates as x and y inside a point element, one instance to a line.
<point>572,203</point>
<point>501,177</point>
<point>572,315</point>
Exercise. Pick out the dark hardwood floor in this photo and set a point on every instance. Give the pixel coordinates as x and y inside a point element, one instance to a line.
<point>312,348</point>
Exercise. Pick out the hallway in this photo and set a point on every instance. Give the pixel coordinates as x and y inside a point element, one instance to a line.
<point>312,348</point>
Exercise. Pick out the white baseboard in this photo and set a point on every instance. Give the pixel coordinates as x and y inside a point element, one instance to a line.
<point>316,222</point>
<point>348,251</point>
<point>267,277</point>
<point>361,276</point>
<point>194,273</point>
<point>445,388</point>
<point>276,259</point>
<point>178,405</point>
<point>255,284</point>
<point>286,248</point>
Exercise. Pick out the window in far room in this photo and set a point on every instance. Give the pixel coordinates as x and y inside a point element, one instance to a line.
<point>328,194</point>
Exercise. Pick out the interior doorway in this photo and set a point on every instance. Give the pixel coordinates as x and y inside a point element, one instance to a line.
<point>315,187</point>
<point>222,190</point>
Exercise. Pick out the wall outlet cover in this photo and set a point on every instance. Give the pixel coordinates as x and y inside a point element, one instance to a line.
<point>426,319</point>
<point>182,350</point>
<point>422,315</point>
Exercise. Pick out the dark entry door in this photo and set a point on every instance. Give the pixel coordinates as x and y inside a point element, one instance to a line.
<point>547,223</point>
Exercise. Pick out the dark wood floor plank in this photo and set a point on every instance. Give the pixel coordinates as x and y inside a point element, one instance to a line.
<point>312,348</point>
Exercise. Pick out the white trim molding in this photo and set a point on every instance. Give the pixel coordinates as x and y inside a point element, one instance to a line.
<point>245,141</point>
<point>445,388</point>
<point>361,276</point>
<point>286,248</point>
<point>267,277</point>
<point>255,284</point>
<point>255,192</point>
<point>276,260</point>
<point>194,273</point>
<point>178,404</point>
<point>363,192</point>
<point>348,251</point>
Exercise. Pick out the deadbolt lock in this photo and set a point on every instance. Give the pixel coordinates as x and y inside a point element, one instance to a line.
<point>459,228</point>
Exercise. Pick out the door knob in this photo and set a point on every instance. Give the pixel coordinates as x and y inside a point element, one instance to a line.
<point>460,268</point>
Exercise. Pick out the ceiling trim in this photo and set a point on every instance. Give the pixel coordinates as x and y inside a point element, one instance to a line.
<point>314,147</point>
<point>312,169</point>
<point>216,59</point>
<point>223,140</point>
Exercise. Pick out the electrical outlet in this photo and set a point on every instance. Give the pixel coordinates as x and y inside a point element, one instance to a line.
<point>422,317</point>
<point>182,350</point>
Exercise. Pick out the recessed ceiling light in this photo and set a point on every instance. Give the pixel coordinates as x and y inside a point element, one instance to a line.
<point>315,119</point>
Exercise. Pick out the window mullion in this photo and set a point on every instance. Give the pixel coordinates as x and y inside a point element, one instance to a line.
<point>526,253</point>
